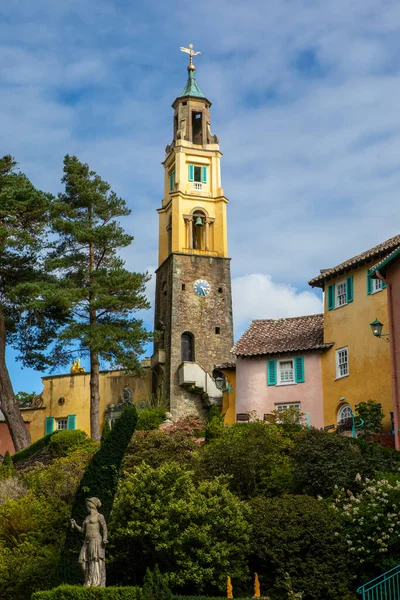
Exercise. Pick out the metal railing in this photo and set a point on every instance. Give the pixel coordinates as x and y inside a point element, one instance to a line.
<point>384,587</point>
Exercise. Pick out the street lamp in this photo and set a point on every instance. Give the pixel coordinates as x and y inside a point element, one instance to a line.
<point>376,328</point>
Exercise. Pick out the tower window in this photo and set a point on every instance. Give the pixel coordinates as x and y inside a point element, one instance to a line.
<point>183,287</point>
<point>219,290</point>
<point>197,128</point>
<point>171,181</point>
<point>187,347</point>
<point>218,330</point>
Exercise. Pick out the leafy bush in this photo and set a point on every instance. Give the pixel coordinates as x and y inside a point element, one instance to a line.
<point>195,533</point>
<point>150,418</point>
<point>372,525</point>
<point>74,592</point>
<point>29,451</point>
<point>32,530</point>
<point>100,480</point>
<point>155,586</point>
<point>12,488</point>
<point>61,443</point>
<point>7,468</point>
<point>372,414</point>
<point>157,447</point>
<point>254,454</point>
<point>296,534</point>
<point>215,424</point>
<point>324,460</point>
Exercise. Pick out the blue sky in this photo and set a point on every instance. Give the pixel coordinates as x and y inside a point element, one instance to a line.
<point>305,102</point>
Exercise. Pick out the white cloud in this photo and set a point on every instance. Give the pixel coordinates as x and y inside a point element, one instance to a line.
<point>257,296</point>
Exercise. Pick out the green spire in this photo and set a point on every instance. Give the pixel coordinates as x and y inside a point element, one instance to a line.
<point>191,88</point>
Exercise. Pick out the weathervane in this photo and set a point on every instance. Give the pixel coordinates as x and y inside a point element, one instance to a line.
<point>191,53</point>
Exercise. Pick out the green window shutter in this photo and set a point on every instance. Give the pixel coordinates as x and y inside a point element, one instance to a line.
<point>50,422</point>
<point>171,182</point>
<point>271,372</point>
<point>369,284</point>
<point>331,296</point>
<point>204,174</point>
<point>349,289</point>
<point>191,172</point>
<point>383,285</point>
<point>299,369</point>
<point>71,422</point>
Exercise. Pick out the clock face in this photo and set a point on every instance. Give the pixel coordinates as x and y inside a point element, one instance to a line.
<point>201,287</point>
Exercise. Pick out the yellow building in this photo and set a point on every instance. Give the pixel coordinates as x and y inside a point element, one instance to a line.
<point>65,400</point>
<point>357,367</point>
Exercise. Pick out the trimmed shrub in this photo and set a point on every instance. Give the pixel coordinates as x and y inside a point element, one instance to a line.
<point>150,418</point>
<point>29,451</point>
<point>302,536</point>
<point>322,461</point>
<point>155,586</point>
<point>215,424</point>
<point>100,480</point>
<point>65,441</point>
<point>196,533</point>
<point>74,592</point>
<point>254,454</point>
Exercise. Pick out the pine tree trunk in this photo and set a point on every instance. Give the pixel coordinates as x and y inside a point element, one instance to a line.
<point>9,406</point>
<point>94,396</point>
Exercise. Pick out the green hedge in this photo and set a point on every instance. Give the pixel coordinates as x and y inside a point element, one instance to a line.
<point>74,592</point>
<point>32,449</point>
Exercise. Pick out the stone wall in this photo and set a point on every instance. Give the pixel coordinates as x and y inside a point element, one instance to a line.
<point>179,310</point>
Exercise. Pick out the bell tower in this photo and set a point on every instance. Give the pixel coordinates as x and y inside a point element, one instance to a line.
<point>193,308</point>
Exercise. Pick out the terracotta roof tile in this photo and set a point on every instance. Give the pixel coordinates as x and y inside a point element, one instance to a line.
<point>227,366</point>
<point>276,336</point>
<point>379,251</point>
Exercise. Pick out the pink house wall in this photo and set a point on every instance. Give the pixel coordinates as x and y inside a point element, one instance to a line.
<point>254,394</point>
<point>393,287</point>
<point>5,438</point>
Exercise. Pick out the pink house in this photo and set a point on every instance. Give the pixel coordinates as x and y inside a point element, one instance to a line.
<point>278,366</point>
<point>388,270</point>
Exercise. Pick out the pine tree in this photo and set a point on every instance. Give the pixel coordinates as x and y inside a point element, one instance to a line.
<point>23,218</point>
<point>100,293</point>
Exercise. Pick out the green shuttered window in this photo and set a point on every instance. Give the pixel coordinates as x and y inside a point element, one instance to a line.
<point>331,296</point>
<point>369,284</point>
<point>349,289</point>
<point>49,425</point>
<point>191,173</point>
<point>204,174</point>
<point>271,372</point>
<point>299,369</point>
<point>71,422</point>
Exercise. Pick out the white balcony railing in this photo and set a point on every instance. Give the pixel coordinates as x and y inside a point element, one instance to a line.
<point>197,186</point>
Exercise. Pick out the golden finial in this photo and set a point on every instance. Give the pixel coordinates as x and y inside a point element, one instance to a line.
<point>76,367</point>
<point>191,53</point>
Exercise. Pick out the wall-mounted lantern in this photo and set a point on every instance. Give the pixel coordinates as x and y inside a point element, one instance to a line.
<point>376,328</point>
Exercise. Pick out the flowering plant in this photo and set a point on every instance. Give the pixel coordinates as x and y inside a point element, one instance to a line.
<point>371,519</point>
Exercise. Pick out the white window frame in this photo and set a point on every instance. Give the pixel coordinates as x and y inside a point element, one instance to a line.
<point>343,409</point>
<point>340,375</point>
<point>279,369</point>
<point>61,423</point>
<point>337,295</point>
<point>282,407</point>
<point>376,285</point>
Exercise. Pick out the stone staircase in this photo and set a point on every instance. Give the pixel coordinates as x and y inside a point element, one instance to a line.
<point>194,378</point>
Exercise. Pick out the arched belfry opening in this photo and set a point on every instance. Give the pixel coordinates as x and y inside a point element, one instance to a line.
<point>198,230</point>
<point>187,347</point>
<point>197,128</point>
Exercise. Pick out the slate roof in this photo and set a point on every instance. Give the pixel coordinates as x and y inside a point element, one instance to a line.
<point>278,336</point>
<point>378,252</point>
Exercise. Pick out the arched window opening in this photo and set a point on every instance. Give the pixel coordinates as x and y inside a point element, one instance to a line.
<point>198,230</point>
<point>187,347</point>
<point>345,418</point>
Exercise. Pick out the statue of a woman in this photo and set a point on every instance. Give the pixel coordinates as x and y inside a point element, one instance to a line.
<point>92,555</point>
